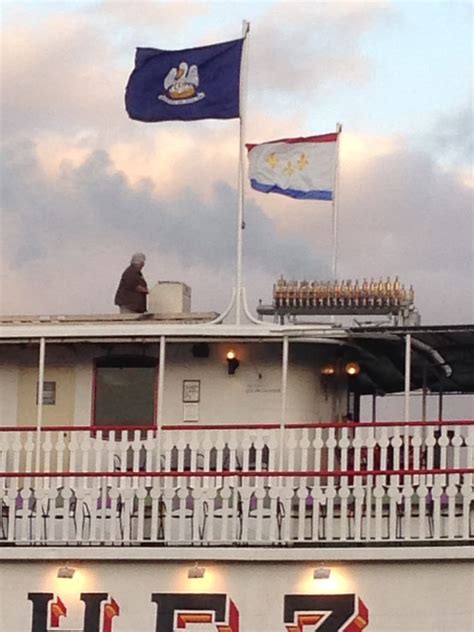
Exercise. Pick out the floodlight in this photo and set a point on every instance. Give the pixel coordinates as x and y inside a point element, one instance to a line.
<point>322,572</point>
<point>196,572</point>
<point>66,572</point>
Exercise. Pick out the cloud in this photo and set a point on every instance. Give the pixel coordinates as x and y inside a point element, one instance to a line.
<point>411,204</point>
<point>169,156</point>
<point>405,215</point>
<point>89,208</point>
<point>66,71</point>
<point>60,77</point>
<point>453,136</point>
<point>171,15</point>
<point>84,187</point>
<point>290,53</point>
<point>400,213</point>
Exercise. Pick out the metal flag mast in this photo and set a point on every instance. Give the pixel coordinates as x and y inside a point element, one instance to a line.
<point>241,298</point>
<point>238,294</point>
<point>240,214</point>
<point>142,105</point>
<point>238,300</point>
<point>335,205</point>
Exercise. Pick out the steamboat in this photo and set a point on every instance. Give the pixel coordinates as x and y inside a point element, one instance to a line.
<point>183,471</point>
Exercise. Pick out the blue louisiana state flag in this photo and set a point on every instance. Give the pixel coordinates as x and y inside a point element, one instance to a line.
<point>301,168</point>
<point>185,85</point>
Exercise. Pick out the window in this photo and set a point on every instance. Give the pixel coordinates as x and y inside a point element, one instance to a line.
<point>125,389</point>
<point>49,393</point>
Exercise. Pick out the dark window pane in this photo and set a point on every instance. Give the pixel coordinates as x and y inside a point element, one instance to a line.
<point>121,361</point>
<point>49,393</point>
<point>125,395</point>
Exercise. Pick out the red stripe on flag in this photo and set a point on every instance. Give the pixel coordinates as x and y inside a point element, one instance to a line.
<point>323,138</point>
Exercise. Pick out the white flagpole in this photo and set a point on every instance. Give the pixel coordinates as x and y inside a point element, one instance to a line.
<point>240,220</point>
<point>335,205</point>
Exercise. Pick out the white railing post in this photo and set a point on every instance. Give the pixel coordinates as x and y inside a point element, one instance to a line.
<point>159,413</point>
<point>406,442</point>
<point>39,412</point>
<point>284,383</point>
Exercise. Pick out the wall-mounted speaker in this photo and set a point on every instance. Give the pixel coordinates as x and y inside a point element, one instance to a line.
<point>200,350</point>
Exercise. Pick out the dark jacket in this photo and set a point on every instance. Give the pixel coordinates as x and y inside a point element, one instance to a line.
<point>127,294</point>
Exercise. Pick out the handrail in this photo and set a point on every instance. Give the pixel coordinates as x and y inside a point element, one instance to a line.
<point>269,426</point>
<point>240,474</point>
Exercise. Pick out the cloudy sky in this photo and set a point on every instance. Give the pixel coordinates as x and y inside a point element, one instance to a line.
<point>83,186</point>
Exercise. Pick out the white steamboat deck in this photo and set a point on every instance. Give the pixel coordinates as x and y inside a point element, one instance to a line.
<point>330,484</point>
<point>253,485</point>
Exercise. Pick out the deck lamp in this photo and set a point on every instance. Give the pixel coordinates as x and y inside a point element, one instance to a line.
<point>66,572</point>
<point>352,369</point>
<point>328,373</point>
<point>327,370</point>
<point>322,572</point>
<point>232,362</point>
<point>196,571</point>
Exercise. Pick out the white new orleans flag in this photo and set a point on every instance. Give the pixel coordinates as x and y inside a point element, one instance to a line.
<point>301,168</point>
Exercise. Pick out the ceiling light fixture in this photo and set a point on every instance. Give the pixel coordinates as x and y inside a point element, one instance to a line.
<point>196,571</point>
<point>352,369</point>
<point>328,370</point>
<point>322,572</point>
<point>66,572</point>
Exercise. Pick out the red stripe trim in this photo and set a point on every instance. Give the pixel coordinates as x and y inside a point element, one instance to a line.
<point>246,474</point>
<point>383,424</point>
<point>224,427</point>
<point>274,426</point>
<point>77,428</point>
<point>323,138</point>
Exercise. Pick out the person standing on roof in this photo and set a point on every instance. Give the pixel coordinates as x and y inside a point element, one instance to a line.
<point>132,290</point>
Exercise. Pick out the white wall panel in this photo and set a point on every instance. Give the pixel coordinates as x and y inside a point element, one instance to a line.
<point>8,395</point>
<point>400,596</point>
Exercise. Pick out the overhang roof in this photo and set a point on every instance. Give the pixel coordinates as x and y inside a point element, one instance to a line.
<point>126,328</point>
<point>442,358</point>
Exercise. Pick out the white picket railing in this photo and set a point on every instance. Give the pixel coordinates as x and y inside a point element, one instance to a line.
<point>337,483</point>
<point>360,446</point>
<point>205,508</point>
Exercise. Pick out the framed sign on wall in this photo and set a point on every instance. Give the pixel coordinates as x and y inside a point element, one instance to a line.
<point>191,391</point>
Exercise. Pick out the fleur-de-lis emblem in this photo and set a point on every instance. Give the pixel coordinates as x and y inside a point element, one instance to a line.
<point>272,160</point>
<point>302,162</point>
<point>289,171</point>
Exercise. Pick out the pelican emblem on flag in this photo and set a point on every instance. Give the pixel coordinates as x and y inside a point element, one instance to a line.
<point>181,85</point>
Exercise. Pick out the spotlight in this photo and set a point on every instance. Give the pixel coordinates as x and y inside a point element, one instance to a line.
<point>352,368</point>
<point>322,572</point>
<point>196,572</point>
<point>328,370</point>
<point>66,572</point>
<point>232,362</point>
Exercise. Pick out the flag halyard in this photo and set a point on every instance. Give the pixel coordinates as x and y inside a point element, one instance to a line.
<point>186,85</point>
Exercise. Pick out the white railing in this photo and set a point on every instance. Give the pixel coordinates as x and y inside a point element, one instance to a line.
<point>225,508</point>
<point>336,483</point>
<point>360,446</point>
